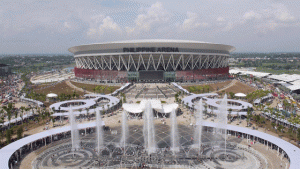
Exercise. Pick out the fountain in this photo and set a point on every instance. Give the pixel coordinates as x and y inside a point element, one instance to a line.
<point>198,131</point>
<point>74,131</point>
<point>148,129</point>
<point>124,130</point>
<point>222,119</point>
<point>99,131</point>
<point>174,133</point>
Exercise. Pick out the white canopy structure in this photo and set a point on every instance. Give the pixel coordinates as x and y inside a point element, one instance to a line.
<point>240,95</point>
<point>51,95</point>
<point>155,104</point>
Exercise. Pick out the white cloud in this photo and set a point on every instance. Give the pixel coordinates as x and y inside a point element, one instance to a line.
<point>192,22</point>
<point>221,19</point>
<point>154,16</point>
<point>282,13</point>
<point>251,15</point>
<point>107,26</point>
<point>269,18</point>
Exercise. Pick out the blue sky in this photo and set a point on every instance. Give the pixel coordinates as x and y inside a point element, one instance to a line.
<point>52,26</point>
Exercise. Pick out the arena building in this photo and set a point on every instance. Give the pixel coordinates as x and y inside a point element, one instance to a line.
<point>152,61</point>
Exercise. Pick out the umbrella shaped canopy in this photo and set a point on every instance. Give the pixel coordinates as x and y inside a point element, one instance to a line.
<point>240,95</point>
<point>51,95</point>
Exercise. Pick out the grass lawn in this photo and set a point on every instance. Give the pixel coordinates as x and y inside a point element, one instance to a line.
<point>58,89</point>
<point>90,87</point>
<point>239,87</point>
<point>212,87</point>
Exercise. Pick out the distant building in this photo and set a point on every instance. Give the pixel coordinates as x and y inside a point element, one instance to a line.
<point>5,70</point>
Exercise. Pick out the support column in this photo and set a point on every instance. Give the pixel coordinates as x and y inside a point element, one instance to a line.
<point>17,156</point>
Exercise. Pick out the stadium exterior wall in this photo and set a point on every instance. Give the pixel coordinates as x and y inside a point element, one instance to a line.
<point>122,76</point>
<point>178,60</point>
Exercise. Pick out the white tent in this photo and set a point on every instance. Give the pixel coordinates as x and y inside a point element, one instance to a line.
<point>240,95</point>
<point>51,95</point>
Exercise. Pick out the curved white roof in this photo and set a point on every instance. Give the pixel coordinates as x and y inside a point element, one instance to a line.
<point>87,104</point>
<point>7,151</point>
<point>292,151</point>
<point>151,43</point>
<point>155,104</point>
<point>113,101</point>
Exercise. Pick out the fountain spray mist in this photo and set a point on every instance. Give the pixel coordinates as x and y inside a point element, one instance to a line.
<point>148,130</point>
<point>124,130</point>
<point>99,130</point>
<point>198,131</point>
<point>174,133</point>
<point>74,130</point>
<point>222,119</point>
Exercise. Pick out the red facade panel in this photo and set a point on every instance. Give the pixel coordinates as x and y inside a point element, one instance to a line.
<point>100,74</point>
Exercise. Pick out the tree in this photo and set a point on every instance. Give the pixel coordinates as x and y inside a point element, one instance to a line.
<point>273,125</point>
<point>16,114</point>
<point>87,112</point>
<point>9,117</point>
<point>20,132</point>
<point>8,136</point>
<point>249,115</point>
<point>298,134</point>
<point>22,113</point>
<point>107,107</point>
<point>103,109</point>
<point>229,114</point>
<point>53,120</point>
<point>231,95</point>
<point>80,110</point>
<point>280,127</point>
<point>1,122</point>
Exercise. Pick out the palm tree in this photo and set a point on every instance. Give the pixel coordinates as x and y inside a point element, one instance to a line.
<point>113,105</point>
<point>22,113</point>
<point>229,114</point>
<point>87,112</point>
<point>248,115</point>
<point>277,115</point>
<point>16,114</point>
<point>103,108</point>
<point>53,120</point>
<point>107,107</point>
<point>9,117</point>
<point>80,110</point>
<point>1,122</point>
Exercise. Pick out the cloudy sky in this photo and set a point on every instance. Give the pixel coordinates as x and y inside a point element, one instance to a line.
<point>52,26</point>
